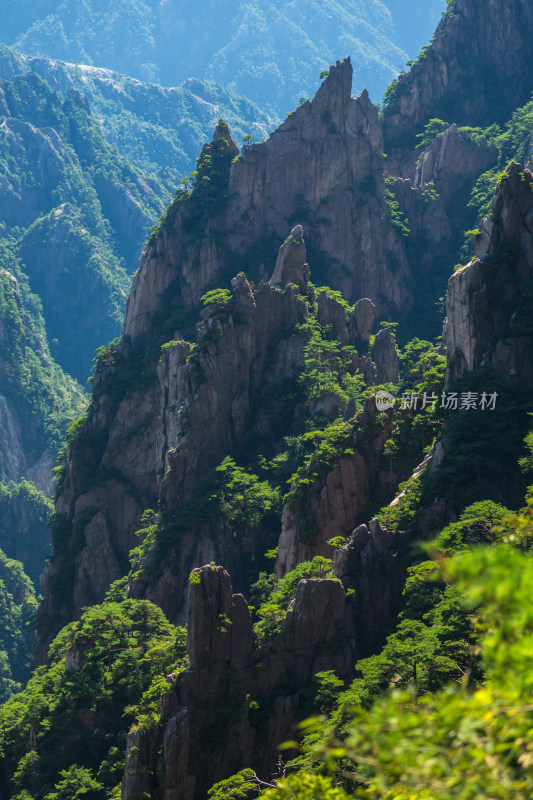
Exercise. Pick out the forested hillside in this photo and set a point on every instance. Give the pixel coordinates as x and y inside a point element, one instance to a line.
<point>157,129</point>
<point>271,52</point>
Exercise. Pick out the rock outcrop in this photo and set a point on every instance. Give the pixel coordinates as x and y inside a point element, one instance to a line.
<point>157,425</point>
<point>489,313</point>
<point>109,479</point>
<point>326,507</point>
<point>385,357</point>
<point>239,698</point>
<point>271,184</point>
<point>363,316</point>
<point>452,163</point>
<point>291,266</point>
<point>467,75</point>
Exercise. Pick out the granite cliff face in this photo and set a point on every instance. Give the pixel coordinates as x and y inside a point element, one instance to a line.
<point>468,74</point>
<point>488,306</point>
<point>241,697</point>
<point>326,508</point>
<point>272,186</point>
<point>193,406</point>
<point>201,401</point>
<point>452,163</point>
<point>237,384</point>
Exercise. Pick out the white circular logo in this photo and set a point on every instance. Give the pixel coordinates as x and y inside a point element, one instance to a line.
<point>384,400</point>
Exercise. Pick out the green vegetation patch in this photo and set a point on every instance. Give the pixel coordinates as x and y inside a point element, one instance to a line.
<point>118,656</point>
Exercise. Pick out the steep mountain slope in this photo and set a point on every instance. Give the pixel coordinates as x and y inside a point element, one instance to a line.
<point>17,606</point>
<point>468,73</point>
<point>271,52</point>
<point>38,398</point>
<point>73,211</point>
<point>236,213</point>
<point>158,130</point>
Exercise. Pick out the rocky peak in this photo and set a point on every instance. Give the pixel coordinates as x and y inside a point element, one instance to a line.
<point>219,628</point>
<point>362,319</point>
<point>478,43</point>
<point>385,357</point>
<point>222,132</point>
<point>291,266</point>
<point>271,183</point>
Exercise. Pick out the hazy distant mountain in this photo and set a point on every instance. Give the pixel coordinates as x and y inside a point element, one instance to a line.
<point>269,50</point>
<point>156,128</point>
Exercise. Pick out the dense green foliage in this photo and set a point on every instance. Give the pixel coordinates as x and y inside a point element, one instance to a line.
<point>327,367</point>
<point>394,214</point>
<point>17,607</point>
<point>270,52</point>
<point>203,194</point>
<point>459,742</point>
<point>118,657</point>
<point>24,534</point>
<point>443,711</point>
<point>227,494</point>
<point>475,526</point>
<point>512,141</point>
<point>44,397</point>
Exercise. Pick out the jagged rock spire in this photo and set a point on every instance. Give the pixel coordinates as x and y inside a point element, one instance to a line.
<point>291,266</point>
<point>222,131</point>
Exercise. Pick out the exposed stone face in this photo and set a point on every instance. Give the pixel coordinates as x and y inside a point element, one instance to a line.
<point>227,672</point>
<point>212,394</point>
<point>272,183</point>
<point>373,562</point>
<point>485,324</point>
<point>323,629</point>
<point>149,444</point>
<point>118,443</point>
<point>216,394</point>
<point>331,312</point>
<point>329,507</point>
<point>291,266</point>
<point>362,319</point>
<point>453,163</point>
<point>477,44</point>
<point>139,753</point>
<point>91,583</point>
<point>429,223</point>
<point>385,357</point>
